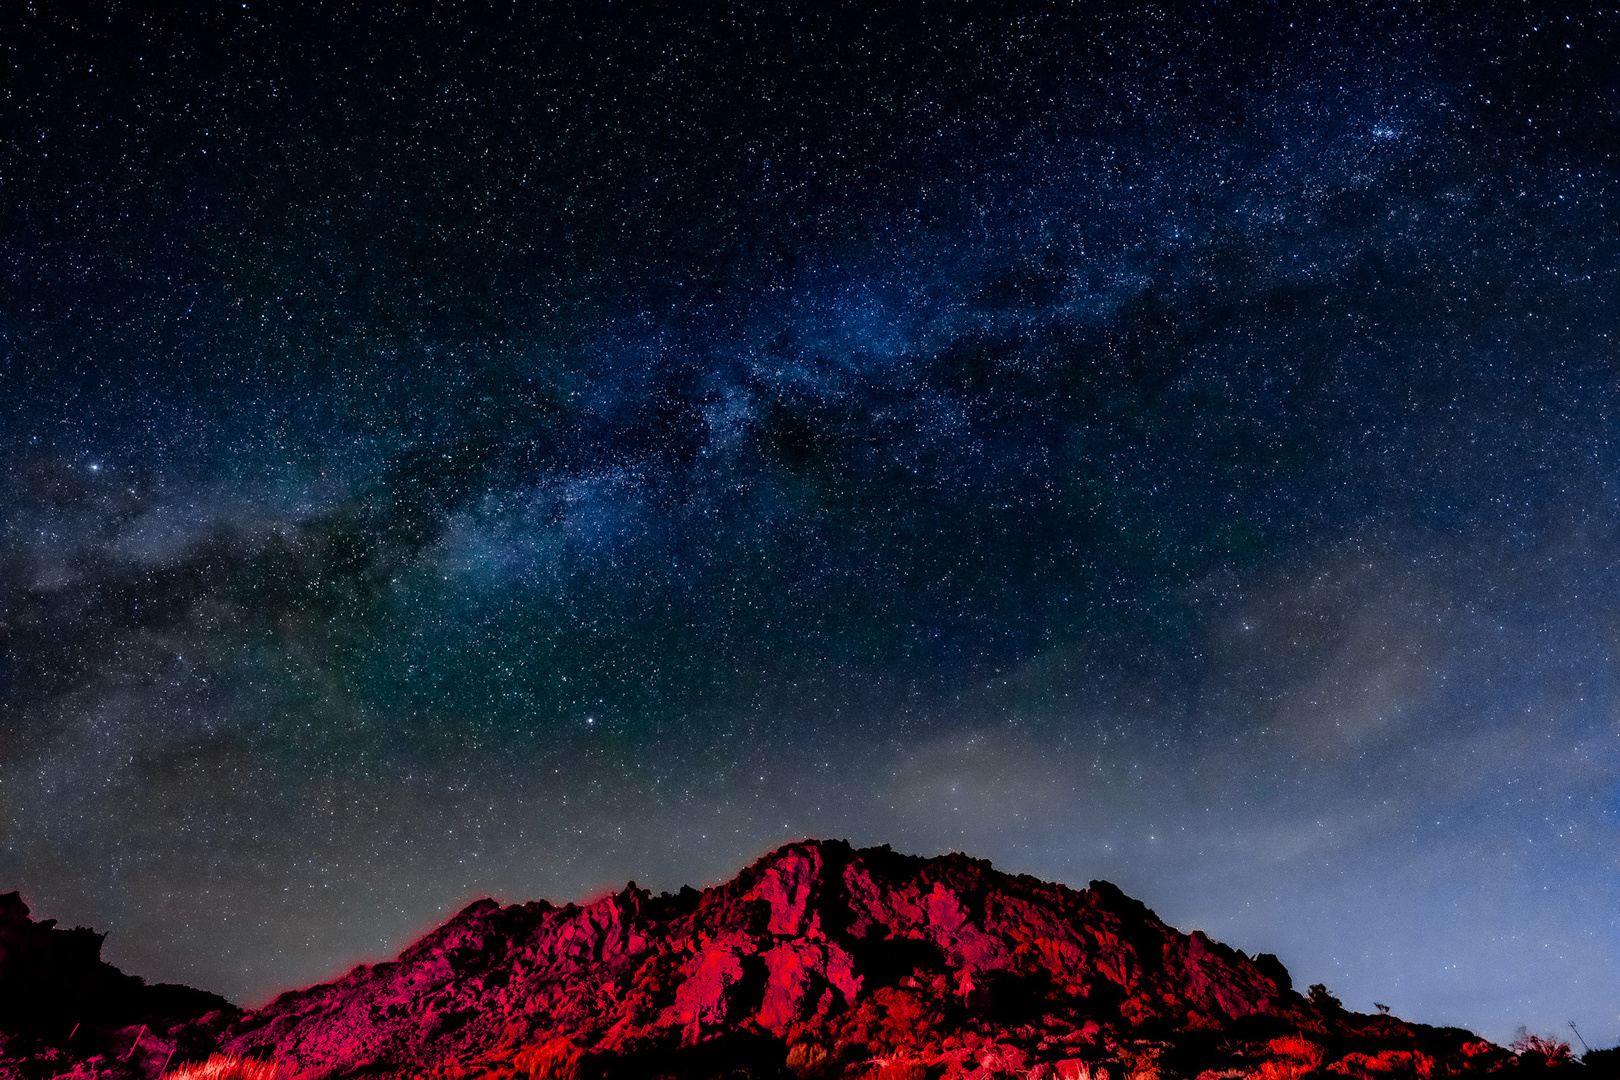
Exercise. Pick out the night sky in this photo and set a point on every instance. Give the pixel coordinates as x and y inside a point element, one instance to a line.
<point>450,452</point>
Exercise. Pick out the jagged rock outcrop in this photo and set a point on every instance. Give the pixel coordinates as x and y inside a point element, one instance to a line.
<point>823,960</point>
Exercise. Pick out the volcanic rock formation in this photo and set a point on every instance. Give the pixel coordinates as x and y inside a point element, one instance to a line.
<point>817,961</point>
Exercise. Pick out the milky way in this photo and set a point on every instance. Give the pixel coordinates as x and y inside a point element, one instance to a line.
<point>454,453</point>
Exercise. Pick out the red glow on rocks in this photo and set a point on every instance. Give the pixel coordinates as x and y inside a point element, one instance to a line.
<point>817,961</point>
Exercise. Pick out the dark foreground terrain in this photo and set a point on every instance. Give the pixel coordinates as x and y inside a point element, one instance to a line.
<point>818,961</point>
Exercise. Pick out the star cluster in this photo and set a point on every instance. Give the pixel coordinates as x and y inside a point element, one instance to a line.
<point>453,451</point>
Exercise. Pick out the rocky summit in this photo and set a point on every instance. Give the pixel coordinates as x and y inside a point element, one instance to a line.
<point>820,960</point>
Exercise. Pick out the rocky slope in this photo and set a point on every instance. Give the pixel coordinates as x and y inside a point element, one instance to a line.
<point>819,960</point>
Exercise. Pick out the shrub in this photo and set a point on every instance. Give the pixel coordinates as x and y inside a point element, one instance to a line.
<point>1298,1048</point>
<point>1320,997</point>
<point>1537,1049</point>
<point>1386,1063</point>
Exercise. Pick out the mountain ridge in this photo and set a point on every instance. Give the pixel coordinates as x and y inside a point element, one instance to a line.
<point>817,960</point>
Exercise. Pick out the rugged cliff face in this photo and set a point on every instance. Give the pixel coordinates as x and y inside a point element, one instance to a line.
<point>822,960</point>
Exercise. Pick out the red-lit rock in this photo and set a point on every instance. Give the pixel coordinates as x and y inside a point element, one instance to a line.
<point>821,961</point>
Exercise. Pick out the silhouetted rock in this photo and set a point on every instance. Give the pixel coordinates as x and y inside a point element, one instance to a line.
<point>61,1003</point>
<point>821,961</point>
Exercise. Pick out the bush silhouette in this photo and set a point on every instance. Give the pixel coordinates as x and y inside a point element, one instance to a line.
<point>1539,1050</point>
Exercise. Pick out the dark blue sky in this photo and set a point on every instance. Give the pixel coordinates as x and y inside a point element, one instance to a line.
<point>450,452</point>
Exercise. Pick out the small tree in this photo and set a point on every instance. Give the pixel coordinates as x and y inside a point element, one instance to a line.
<point>1322,999</point>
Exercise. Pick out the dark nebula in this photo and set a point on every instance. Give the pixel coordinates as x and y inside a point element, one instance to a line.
<point>456,451</point>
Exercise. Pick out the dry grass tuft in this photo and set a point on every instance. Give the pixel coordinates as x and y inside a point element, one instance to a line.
<point>1297,1048</point>
<point>226,1067</point>
<point>556,1059</point>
